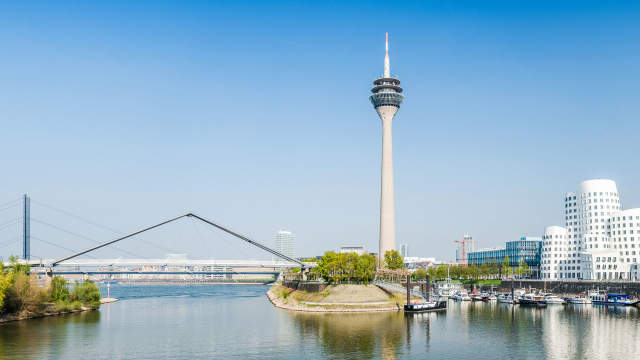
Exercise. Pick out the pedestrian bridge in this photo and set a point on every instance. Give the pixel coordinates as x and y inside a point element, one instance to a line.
<point>72,265</point>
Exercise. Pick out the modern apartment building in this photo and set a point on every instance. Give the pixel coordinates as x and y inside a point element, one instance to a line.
<point>285,243</point>
<point>404,250</point>
<point>600,241</point>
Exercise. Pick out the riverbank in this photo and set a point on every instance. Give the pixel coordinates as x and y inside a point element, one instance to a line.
<point>336,298</point>
<point>49,310</point>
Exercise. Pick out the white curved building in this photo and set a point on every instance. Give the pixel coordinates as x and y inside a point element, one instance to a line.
<point>624,247</point>
<point>555,244</point>
<point>593,248</point>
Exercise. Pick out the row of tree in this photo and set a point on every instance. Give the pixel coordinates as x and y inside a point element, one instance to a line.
<point>21,293</point>
<point>350,267</point>
<point>473,272</point>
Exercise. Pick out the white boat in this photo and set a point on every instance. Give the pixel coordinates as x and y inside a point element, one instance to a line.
<point>552,299</point>
<point>580,299</point>
<point>447,288</point>
<point>506,298</point>
<point>517,294</point>
<point>460,296</point>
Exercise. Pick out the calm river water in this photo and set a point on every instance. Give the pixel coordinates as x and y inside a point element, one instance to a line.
<point>238,322</point>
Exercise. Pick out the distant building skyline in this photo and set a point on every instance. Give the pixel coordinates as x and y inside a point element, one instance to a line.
<point>285,243</point>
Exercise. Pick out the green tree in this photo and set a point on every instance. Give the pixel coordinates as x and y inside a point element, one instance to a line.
<point>10,294</point>
<point>473,272</point>
<point>419,274</point>
<point>86,293</point>
<point>334,267</point>
<point>58,290</point>
<point>441,272</point>
<point>326,265</point>
<point>432,272</point>
<point>393,260</point>
<point>495,269</point>
<point>5,283</point>
<point>506,266</point>
<point>24,295</point>
<point>522,269</point>
<point>365,267</point>
<point>485,270</point>
<point>525,268</point>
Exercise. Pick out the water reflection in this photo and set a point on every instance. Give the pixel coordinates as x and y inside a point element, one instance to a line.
<point>45,336</point>
<point>239,323</point>
<point>354,336</point>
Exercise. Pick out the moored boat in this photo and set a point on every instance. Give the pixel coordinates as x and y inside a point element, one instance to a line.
<point>611,299</point>
<point>553,299</point>
<point>532,300</point>
<point>506,298</point>
<point>431,305</point>
<point>447,288</point>
<point>580,299</point>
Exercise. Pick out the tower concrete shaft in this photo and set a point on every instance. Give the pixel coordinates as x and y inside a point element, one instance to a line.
<point>386,99</point>
<point>387,203</point>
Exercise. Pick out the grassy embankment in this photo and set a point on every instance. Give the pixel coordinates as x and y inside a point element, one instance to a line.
<point>337,298</point>
<point>22,296</point>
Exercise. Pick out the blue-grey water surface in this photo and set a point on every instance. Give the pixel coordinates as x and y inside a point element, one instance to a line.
<point>238,322</point>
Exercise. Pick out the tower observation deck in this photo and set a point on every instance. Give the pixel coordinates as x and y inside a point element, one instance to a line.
<point>386,98</point>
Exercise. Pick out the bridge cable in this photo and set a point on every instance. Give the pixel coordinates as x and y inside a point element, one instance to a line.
<point>56,262</point>
<point>252,242</point>
<point>56,245</point>
<point>83,237</point>
<point>10,223</point>
<point>10,242</point>
<point>104,227</point>
<point>9,205</point>
<point>242,237</point>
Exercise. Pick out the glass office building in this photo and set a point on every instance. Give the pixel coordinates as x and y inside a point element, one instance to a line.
<point>527,248</point>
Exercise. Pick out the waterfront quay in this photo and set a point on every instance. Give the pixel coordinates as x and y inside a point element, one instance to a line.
<point>631,288</point>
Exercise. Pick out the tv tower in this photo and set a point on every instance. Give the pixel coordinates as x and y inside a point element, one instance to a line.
<point>386,99</point>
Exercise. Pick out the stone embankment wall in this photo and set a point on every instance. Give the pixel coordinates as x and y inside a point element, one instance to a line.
<point>573,287</point>
<point>308,286</point>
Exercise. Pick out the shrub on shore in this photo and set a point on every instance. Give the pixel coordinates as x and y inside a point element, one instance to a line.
<point>21,293</point>
<point>86,293</point>
<point>58,290</point>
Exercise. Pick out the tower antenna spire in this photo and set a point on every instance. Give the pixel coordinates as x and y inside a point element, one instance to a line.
<point>387,70</point>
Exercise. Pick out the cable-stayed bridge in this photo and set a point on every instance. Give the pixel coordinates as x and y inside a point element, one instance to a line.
<point>173,267</point>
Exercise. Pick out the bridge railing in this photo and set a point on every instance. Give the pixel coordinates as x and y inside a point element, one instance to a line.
<point>398,288</point>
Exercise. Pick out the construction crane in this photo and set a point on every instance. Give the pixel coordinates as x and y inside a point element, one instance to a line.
<point>466,241</point>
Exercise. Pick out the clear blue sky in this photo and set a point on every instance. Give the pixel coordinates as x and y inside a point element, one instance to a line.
<point>256,114</point>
